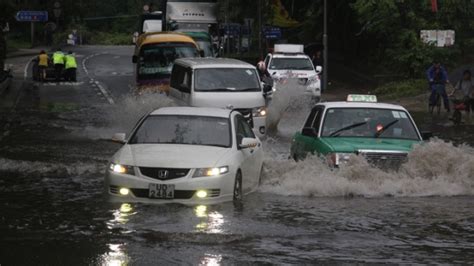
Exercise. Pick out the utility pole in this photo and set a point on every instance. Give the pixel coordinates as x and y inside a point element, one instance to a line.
<point>260,28</point>
<point>325,44</point>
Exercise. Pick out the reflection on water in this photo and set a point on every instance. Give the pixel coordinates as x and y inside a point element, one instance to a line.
<point>211,260</point>
<point>116,256</point>
<point>121,215</point>
<point>210,221</point>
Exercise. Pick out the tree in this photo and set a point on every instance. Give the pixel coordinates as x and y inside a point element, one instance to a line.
<point>6,14</point>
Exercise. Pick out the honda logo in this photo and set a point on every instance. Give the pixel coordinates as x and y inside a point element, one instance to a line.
<point>163,174</point>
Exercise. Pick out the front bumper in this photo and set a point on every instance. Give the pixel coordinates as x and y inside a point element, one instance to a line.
<point>219,188</point>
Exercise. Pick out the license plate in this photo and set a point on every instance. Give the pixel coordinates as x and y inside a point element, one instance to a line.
<point>161,191</point>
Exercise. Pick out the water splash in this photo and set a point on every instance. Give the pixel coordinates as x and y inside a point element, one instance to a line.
<point>123,116</point>
<point>436,168</point>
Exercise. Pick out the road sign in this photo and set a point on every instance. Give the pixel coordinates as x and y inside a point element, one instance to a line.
<point>273,33</point>
<point>32,16</point>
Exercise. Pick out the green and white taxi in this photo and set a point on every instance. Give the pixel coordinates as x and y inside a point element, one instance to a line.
<point>383,133</point>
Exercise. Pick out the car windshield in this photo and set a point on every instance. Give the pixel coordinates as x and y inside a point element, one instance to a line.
<point>368,122</point>
<point>226,79</point>
<point>156,60</point>
<point>291,64</point>
<point>183,129</point>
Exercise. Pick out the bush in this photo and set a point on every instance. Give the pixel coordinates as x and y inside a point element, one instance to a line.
<point>107,38</point>
<point>405,88</point>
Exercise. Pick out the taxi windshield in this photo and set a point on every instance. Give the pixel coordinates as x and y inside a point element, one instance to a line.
<point>291,64</point>
<point>368,123</point>
<point>183,129</point>
<point>156,60</point>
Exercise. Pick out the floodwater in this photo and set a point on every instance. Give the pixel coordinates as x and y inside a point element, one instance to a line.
<point>53,210</point>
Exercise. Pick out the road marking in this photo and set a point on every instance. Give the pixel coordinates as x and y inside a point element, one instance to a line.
<point>95,83</point>
<point>62,83</point>
<point>105,93</point>
<point>25,71</point>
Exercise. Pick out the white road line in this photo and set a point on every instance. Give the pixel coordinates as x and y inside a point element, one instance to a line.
<point>25,71</point>
<point>105,93</point>
<point>94,83</point>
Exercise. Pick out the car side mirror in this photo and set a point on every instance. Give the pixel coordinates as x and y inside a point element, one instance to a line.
<point>426,135</point>
<point>119,138</point>
<point>248,143</point>
<point>134,59</point>
<point>309,132</point>
<point>319,69</point>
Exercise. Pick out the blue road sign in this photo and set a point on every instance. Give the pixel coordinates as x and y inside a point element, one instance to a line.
<point>272,33</point>
<point>32,16</point>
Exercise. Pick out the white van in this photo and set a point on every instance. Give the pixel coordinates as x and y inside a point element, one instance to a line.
<point>222,83</point>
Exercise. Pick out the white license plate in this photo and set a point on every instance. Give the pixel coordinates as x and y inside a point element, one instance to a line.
<point>161,191</point>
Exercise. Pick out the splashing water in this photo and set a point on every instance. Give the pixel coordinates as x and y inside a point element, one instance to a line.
<point>123,116</point>
<point>436,168</point>
<point>288,100</point>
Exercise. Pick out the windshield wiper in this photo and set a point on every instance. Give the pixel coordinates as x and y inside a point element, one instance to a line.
<point>220,89</point>
<point>337,132</point>
<point>385,127</point>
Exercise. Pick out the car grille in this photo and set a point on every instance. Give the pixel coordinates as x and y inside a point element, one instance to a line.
<point>385,159</point>
<point>164,173</point>
<point>247,114</point>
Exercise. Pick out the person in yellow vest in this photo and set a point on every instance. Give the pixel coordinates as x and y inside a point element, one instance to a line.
<point>71,66</point>
<point>58,61</point>
<point>42,65</point>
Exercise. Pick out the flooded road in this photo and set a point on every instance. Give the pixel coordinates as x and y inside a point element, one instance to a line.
<point>54,151</point>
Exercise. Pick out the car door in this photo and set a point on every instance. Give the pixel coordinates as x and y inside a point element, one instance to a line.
<point>251,157</point>
<point>306,141</point>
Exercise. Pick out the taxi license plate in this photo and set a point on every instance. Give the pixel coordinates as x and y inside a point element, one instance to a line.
<point>161,191</point>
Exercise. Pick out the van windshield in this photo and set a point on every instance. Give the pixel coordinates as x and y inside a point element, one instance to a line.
<point>226,79</point>
<point>156,60</point>
<point>291,64</point>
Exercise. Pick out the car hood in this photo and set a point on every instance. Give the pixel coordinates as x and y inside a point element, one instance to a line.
<point>338,144</point>
<point>170,155</point>
<point>233,100</point>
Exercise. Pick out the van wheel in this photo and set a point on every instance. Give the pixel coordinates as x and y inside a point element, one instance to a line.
<point>238,187</point>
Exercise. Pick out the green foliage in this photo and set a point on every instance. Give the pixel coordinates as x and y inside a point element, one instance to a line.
<point>404,88</point>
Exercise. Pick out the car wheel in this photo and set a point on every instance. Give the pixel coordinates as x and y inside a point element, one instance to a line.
<point>238,196</point>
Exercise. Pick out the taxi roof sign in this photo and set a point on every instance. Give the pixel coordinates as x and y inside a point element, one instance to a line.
<point>361,98</point>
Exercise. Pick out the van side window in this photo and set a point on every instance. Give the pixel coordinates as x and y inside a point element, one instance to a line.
<point>177,77</point>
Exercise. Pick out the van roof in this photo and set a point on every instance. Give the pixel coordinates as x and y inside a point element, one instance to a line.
<point>160,37</point>
<point>212,63</point>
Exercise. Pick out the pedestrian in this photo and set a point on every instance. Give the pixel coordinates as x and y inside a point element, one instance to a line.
<point>466,86</point>
<point>71,66</point>
<point>317,59</point>
<point>42,65</point>
<point>438,78</point>
<point>58,61</point>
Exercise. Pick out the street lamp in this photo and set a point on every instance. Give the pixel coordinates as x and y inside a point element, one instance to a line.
<point>325,46</point>
<point>57,12</point>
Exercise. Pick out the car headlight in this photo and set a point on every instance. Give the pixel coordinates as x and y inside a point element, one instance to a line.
<point>215,171</point>
<point>122,169</point>
<point>336,159</point>
<point>259,111</point>
<point>314,78</point>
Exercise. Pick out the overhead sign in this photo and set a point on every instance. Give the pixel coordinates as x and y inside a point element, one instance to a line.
<point>273,33</point>
<point>32,16</point>
<point>201,12</point>
<point>440,38</point>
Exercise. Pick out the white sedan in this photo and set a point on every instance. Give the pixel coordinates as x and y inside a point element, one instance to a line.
<point>186,155</point>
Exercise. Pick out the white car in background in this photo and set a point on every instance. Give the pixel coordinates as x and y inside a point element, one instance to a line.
<point>186,155</point>
<point>289,63</point>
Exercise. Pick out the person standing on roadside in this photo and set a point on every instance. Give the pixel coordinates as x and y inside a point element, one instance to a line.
<point>466,86</point>
<point>58,61</point>
<point>438,78</point>
<point>42,65</point>
<point>71,66</point>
